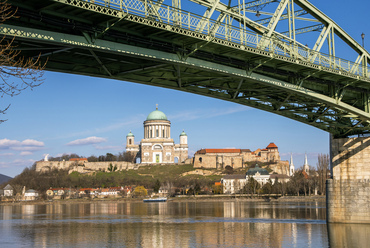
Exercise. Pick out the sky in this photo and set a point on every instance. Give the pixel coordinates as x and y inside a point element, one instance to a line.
<point>92,116</point>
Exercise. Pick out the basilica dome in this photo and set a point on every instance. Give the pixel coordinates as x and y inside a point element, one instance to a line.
<point>156,115</point>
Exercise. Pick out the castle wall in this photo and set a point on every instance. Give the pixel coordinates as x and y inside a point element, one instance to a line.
<point>215,161</point>
<point>44,166</point>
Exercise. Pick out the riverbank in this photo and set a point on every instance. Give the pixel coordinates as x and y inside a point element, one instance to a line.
<point>223,198</point>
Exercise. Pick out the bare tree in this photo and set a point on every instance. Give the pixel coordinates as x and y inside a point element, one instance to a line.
<point>16,72</point>
<point>323,171</point>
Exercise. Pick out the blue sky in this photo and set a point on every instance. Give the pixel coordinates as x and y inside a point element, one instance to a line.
<point>92,116</point>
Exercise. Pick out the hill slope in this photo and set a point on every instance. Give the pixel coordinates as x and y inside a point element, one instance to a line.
<point>4,179</point>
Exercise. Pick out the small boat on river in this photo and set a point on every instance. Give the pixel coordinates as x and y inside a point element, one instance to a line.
<point>159,199</point>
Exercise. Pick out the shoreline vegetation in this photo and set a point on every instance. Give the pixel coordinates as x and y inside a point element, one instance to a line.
<point>221,198</point>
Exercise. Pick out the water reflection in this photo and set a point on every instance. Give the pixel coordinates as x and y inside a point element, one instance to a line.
<point>171,224</point>
<point>349,235</point>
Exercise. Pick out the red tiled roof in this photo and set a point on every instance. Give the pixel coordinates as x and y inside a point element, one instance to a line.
<point>55,189</point>
<point>78,159</point>
<point>306,176</point>
<point>264,150</point>
<point>115,188</point>
<point>271,145</point>
<point>204,151</point>
<point>83,189</point>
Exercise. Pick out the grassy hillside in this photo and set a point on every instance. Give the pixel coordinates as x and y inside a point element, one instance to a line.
<point>145,175</point>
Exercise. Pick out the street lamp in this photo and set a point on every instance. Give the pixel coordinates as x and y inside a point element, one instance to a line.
<point>363,38</point>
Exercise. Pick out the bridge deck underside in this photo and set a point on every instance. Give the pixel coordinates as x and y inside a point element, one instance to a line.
<point>145,51</point>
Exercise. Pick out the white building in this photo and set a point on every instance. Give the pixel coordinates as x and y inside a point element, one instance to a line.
<point>235,183</point>
<point>8,190</point>
<point>30,195</point>
<point>157,146</point>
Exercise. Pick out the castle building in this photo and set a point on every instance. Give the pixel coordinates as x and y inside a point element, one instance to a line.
<point>220,158</point>
<point>157,146</point>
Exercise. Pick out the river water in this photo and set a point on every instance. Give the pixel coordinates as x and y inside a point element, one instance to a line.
<point>176,224</point>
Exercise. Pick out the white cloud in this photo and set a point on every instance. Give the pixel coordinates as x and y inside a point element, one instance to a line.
<point>30,142</point>
<point>6,143</point>
<point>25,145</point>
<point>17,163</point>
<point>87,141</point>
<point>6,154</point>
<point>26,153</point>
<point>27,148</point>
<point>4,165</point>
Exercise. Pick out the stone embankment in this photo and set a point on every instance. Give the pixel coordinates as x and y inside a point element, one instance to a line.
<point>84,167</point>
<point>221,198</point>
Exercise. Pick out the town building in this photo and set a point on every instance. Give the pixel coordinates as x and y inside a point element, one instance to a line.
<point>157,146</point>
<point>31,195</point>
<point>233,184</point>
<point>8,190</point>
<point>261,175</point>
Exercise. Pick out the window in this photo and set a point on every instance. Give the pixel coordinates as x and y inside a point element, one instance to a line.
<point>157,147</point>
<point>129,142</point>
<point>163,133</point>
<point>157,133</point>
<point>200,159</point>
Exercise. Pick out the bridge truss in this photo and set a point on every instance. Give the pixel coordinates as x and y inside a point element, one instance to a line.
<point>275,55</point>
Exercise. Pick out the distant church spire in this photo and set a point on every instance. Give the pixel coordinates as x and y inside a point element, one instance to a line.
<point>156,106</point>
<point>291,166</point>
<point>306,167</point>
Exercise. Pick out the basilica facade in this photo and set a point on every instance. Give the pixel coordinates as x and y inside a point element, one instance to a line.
<point>157,146</point>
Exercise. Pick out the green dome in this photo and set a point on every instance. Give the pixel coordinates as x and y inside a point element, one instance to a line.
<point>130,134</point>
<point>253,171</point>
<point>183,133</point>
<point>156,115</point>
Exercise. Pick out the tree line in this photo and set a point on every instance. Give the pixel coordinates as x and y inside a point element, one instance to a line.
<point>299,184</point>
<point>122,156</point>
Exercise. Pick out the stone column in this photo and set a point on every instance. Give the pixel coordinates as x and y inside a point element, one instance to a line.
<point>348,191</point>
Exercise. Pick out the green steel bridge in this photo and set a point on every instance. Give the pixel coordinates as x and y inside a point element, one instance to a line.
<point>275,55</point>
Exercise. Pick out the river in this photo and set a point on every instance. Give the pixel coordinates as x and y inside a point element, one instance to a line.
<point>175,224</point>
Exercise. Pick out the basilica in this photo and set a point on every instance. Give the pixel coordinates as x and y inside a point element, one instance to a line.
<point>157,146</point>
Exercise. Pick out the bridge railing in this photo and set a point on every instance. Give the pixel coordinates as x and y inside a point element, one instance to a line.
<point>237,35</point>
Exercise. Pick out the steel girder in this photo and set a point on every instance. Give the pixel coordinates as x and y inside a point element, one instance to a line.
<point>88,38</point>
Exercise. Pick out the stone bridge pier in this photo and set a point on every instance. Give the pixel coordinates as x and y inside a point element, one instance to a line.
<point>348,190</point>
